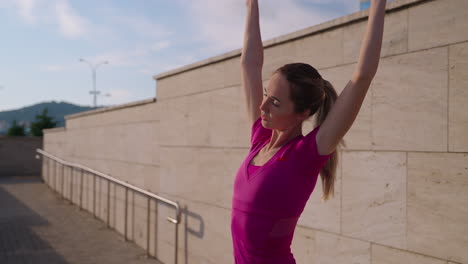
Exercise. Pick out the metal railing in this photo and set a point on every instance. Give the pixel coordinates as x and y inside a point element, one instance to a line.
<point>109,179</point>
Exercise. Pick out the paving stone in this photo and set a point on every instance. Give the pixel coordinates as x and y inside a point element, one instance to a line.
<point>38,226</point>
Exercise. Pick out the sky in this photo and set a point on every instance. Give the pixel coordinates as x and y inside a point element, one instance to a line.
<point>42,42</point>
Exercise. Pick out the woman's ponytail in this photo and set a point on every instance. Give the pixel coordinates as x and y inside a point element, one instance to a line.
<point>328,171</point>
<point>309,91</point>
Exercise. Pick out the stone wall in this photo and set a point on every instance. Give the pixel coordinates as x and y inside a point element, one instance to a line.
<point>402,181</point>
<point>18,156</point>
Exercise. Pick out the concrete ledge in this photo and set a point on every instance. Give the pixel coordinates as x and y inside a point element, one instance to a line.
<point>53,130</point>
<point>339,22</point>
<point>111,108</point>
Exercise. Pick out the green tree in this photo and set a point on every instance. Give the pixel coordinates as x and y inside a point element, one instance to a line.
<point>42,121</point>
<point>16,130</point>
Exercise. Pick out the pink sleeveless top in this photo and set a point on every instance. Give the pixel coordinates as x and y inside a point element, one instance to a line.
<point>268,200</point>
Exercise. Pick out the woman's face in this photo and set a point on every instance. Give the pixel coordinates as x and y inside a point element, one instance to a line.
<point>277,109</point>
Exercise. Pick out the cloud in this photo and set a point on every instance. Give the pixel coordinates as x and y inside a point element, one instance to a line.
<point>138,56</point>
<point>221,23</point>
<point>26,10</point>
<point>156,67</point>
<point>52,68</point>
<point>142,26</point>
<point>70,23</point>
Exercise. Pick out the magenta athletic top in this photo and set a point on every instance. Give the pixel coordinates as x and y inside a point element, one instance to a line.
<point>268,201</point>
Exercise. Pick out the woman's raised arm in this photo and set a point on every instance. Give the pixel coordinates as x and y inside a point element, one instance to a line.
<point>347,106</point>
<point>252,62</point>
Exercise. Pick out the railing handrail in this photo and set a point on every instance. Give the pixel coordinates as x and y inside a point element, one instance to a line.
<point>127,187</point>
<point>110,178</point>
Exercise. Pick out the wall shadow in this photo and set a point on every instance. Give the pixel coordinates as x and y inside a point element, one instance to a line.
<point>195,220</point>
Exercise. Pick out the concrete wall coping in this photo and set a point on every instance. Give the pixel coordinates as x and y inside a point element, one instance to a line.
<point>111,108</point>
<point>53,130</point>
<point>20,138</point>
<point>329,25</point>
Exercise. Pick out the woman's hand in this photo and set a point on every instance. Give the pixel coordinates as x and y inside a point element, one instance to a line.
<point>249,2</point>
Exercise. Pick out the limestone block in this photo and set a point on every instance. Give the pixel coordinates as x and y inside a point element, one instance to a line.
<point>225,117</point>
<point>89,196</point>
<point>174,125</point>
<point>447,24</point>
<point>458,96</point>
<point>117,209</point>
<point>117,142</point>
<point>150,175</point>
<point>200,174</point>
<point>106,118</point>
<point>330,248</point>
<point>395,38</point>
<point>96,143</point>
<point>374,197</point>
<point>144,176</point>
<point>154,143</point>
<point>321,50</point>
<point>142,113</point>
<point>204,232</point>
<point>232,72</point>
<point>324,215</point>
<point>303,245</point>
<point>437,199</point>
<point>409,102</point>
<point>359,136</point>
<point>245,127</point>
<point>138,141</point>
<point>73,123</point>
<point>193,81</point>
<point>277,56</point>
<point>199,119</point>
<point>386,255</point>
<point>76,142</point>
<point>140,220</point>
<point>101,199</point>
<point>135,113</point>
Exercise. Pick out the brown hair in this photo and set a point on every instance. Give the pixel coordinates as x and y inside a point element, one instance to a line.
<point>308,90</point>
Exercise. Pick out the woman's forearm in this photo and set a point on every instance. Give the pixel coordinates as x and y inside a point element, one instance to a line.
<point>372,43</point>
<point>252,51</point>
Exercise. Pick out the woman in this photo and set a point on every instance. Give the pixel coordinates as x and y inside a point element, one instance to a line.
<point>278,175</point>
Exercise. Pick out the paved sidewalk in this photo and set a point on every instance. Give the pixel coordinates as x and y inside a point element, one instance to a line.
<point>37,226</point>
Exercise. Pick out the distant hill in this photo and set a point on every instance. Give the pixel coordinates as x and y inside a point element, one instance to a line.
<point>26,115</point>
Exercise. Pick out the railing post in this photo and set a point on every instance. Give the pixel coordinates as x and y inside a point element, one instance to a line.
<point>61,182</point>
<point>48,170</point>
<point>126,195</point>
<point>71,185</point>
<point>176,241</point>
<point>94,196</point>
<point>108,203</point>
<point>81,190</point>
<point>148,227</point>
<point>55,175</point>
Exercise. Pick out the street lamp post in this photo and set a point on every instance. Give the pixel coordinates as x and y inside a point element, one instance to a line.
<point>93,70</point>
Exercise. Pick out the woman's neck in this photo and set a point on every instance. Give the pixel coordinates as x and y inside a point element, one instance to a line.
<point>281,137</point>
